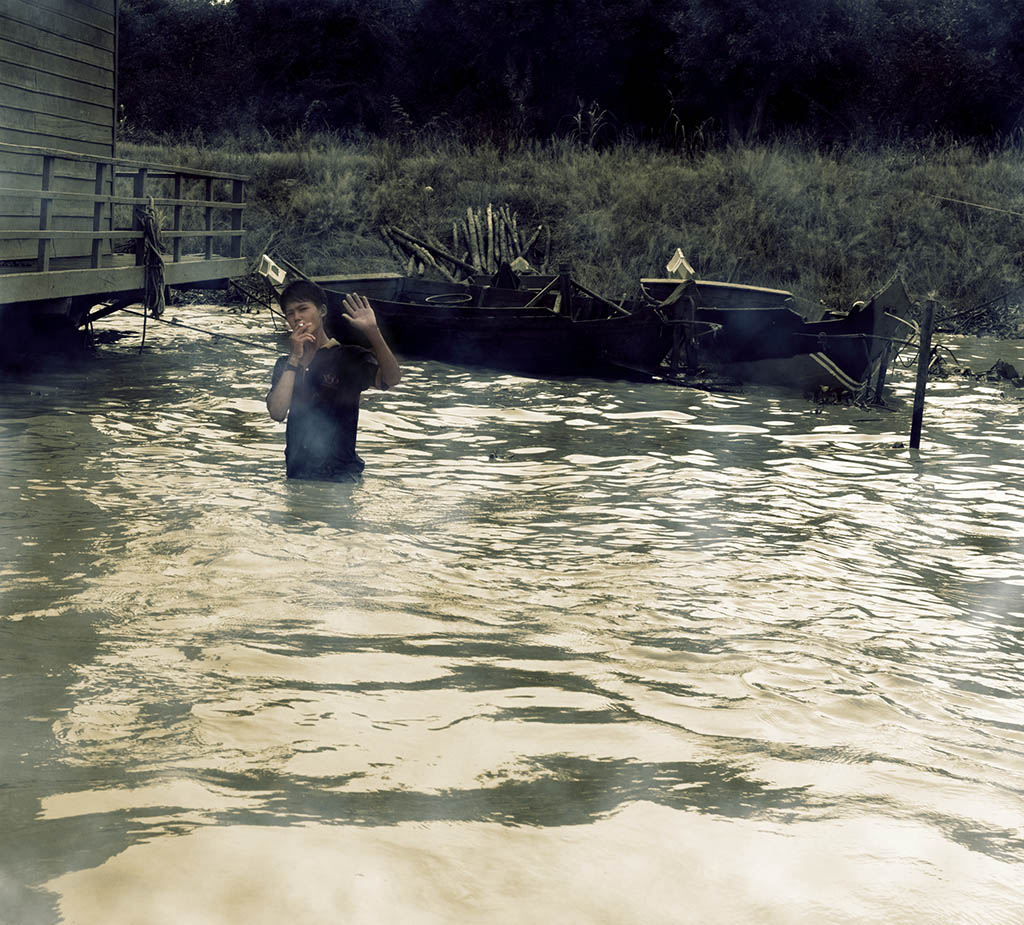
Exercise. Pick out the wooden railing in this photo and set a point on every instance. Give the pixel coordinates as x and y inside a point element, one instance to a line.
<point>163,187</point>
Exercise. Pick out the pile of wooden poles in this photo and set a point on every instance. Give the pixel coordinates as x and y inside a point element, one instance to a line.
<point>481,242</point>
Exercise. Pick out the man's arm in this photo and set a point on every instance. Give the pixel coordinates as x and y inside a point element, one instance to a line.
<point>360,315</point>
<point>389,373</point>
<point>279,399</point>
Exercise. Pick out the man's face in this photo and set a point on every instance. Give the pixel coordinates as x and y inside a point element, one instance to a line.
<point>303,314</point>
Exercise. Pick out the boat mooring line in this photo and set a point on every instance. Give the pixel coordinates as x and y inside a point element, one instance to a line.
<point>827,336</point>
<point>192,327</point>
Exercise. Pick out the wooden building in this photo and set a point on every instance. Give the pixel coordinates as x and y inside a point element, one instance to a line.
<point>77,222</point>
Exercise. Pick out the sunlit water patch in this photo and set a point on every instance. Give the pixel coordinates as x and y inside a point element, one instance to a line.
<point>586,650</point>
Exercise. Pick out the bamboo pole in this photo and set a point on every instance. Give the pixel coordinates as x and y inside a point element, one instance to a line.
<point>533,240</point>
<point>490,240</point>
<point>428,261</point>
<point>411,242</point>
<point>502,230</point>
<point>924,356</point>
<point>390,244</point>
<point>510,238</point>
<point>474,238</point>
<point>478,225</point>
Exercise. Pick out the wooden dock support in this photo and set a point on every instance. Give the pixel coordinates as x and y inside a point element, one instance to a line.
<point>924,355</point>
<point>565,290</point>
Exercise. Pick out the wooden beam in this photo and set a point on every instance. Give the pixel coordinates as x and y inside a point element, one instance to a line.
<point>120,162</point>
<point>97,215</point>
<point>23,193</point>
<point>238,197</point>
<point>58,284</point>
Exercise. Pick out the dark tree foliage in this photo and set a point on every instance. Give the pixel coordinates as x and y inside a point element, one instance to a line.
<point>273,64</point>
<point>174,68</point>
<point>529,66</point>
<point>605,69</point>
<point>842,68</point>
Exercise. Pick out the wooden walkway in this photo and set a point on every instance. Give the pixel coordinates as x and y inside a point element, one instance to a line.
<point>61,241</point>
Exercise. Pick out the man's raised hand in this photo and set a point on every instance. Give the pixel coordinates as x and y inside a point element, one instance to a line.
<point>359,313</point>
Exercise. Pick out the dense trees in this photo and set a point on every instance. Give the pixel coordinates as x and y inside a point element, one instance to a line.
<point>659,69</point>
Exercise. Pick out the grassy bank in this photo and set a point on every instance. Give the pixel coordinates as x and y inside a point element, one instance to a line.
<point>831,226</point>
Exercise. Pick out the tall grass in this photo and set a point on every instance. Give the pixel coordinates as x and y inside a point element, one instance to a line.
<point>832,226</point>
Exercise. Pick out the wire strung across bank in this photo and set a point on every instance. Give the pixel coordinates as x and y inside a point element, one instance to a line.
<point>192,327</point>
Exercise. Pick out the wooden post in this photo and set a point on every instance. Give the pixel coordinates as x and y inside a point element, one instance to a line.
<point>97,216</point>
<point>208,246</point>
<point>673,363</point>
<point>176,244</point>
<point>139,192</point>
<point>924,355</point>
<point>45,207</point>
<point>565,289</point>
<point>237,195</point>
<point>883,366</point>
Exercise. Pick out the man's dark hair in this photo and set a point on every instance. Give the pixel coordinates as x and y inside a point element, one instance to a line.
<point>301,290</point>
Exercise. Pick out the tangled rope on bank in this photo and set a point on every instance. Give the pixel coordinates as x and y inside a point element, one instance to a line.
<point>153,262</point>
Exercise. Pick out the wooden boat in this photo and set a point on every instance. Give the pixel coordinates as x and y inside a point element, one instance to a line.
<point>758,335</point>
<point>559,330</point>
<point>554,326</point>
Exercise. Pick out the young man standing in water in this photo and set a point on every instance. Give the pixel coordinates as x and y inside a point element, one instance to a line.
<point>317,386</point>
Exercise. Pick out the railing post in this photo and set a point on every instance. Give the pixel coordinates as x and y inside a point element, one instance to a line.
<point>176,246</point>
<point>45,207</point>
<point>208,240</point>
<point>237,195</point>
<point>139,192</point>
<point>97,216</point>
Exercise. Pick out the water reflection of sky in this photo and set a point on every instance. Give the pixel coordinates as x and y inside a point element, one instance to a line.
<point>599,650</point>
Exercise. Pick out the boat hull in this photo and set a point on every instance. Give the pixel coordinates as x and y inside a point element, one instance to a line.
<point>758,335</point>
<point>498,328</point>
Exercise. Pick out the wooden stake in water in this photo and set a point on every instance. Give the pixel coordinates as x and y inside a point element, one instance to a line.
<point>924,355</point>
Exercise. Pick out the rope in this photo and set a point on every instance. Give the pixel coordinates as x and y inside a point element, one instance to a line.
<point>824,335</point>
<point>976,205</point>
<point>978,308</point>
<point>153,262</point>
<point>180,324</point>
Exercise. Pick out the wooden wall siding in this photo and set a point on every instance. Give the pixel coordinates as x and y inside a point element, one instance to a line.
<point>57,74</point>
<point>57,90</point>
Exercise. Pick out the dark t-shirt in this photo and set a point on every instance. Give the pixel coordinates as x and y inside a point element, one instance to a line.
<point>320,437</point>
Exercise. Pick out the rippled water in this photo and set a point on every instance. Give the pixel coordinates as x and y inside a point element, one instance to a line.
<point>575,651</point>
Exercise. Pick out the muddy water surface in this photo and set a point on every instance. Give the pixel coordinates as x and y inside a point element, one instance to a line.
<point>576,651</point>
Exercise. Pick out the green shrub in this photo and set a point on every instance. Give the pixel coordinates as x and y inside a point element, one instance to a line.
<point>831,226</point>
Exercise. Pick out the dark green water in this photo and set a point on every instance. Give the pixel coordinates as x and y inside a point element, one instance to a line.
<point>571,651</point>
